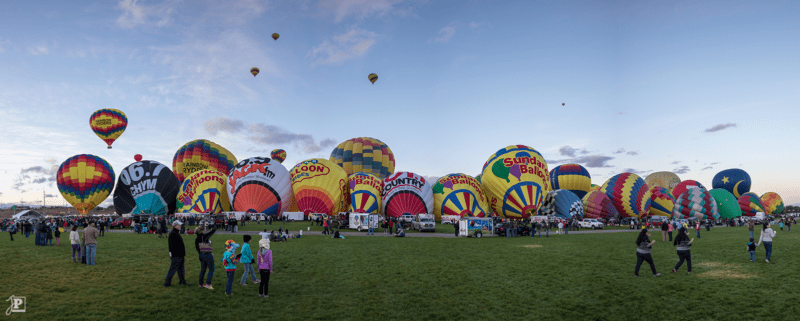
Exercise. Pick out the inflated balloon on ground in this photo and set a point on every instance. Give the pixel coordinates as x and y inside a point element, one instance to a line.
<point>562,203</point>
<point>85,181</point>
<point>572,177</point>
<point>683,186</point>
<point>260,185</point>
<point>629,194</point>
<point>515,180</point>
<point>459,194</point>
<point>596,204</point>
<point>727,204</point>
<point>734,180</point>
<point>201,154</point>
<point>773,203</point>
<point>666,180</point>
<point>406,193</point>
<point>146,187</point>
<point>662,201</point>
<point>320,186</point>
<point>750,204</point>
<point>365,193</point>
<point>205,192</point>
<point>108,124</point>
<point>364,154</point>
<point>695,202</point>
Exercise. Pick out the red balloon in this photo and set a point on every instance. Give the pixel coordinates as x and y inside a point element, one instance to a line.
<point>138,157</point>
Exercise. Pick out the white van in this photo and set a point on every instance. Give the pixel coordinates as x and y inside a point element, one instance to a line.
<point>294,216</point>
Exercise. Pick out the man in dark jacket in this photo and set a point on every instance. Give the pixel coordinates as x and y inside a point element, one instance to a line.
<point>176,253</point>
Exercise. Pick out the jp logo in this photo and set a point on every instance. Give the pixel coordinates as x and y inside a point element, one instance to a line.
<point>17,304</point>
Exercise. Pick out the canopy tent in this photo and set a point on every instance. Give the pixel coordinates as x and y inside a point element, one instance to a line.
<point>28,214</point>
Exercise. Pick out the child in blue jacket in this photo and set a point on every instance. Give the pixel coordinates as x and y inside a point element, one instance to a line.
<point>229,261</point>
<point>247,260</point>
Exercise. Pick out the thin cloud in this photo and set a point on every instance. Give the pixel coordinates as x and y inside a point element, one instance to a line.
<point>263,134</point>
<point>593,161</point>
<point>444,34</point>
<point>35,175</point>
<point>632,153</point>
<point>352,44</point>
<point>134,14</point>
<point>222,124</point>
<point>569,151</point>
<point>38,50</point>
<point>619,151</point>
<point>631,170</point>
<point>681,170</point>
<point>705,168</point>
<point>341,9</point>
<point>675,162</point>
<point>720,127</point>
<point>714,163</point>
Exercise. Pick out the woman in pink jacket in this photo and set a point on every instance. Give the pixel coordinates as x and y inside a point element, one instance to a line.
<point>265,267</point>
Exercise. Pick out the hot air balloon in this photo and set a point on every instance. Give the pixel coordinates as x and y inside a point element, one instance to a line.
<point>515,180</point>
<point>138,158</point>
<point>662,201</point>
<point>594,187</point>
<point>108,124</point>
<point>254,71</point>
<point>406,193</point>
<point>666,180</point>
<point>459,194</point>
<point>85,181</point>
<point>733,180</point>
<point>201,154</point>
<point>773,203</point>
<point>364,154</point>
<point>204,191</point>
<point>572,177</point>
<point>681,187</point>
<point>596,204</point>
<point>275,36</point>
<point>562,203</point>
<point>695,202</point>
<point>750,204</point>
<point>260,185</point>
<point>278,155</point>
<point>727,204</point>
<point>146,187</point>
<point>372,78</point>
<point>629,193</point>
<point>365,193</point>
<point>562,104</point>
<point>320,186</point>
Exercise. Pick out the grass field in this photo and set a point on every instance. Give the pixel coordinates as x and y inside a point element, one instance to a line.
<point>572,277</point>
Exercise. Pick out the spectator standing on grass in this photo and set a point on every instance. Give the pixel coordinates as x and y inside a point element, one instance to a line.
<point>229,261</point>
<point>683,244</point>
<point>560,227</point>
<point>248,260</point>
<point>643,246</point>
<point>48,235</point>
<point>204,247</point>
<point>75,241</point>
<point>177,253</point>
<point>664,229</point>
<point>751,247</point>
<point>546,229</point>
<point>766,237</point>
<point>697,228</point>
<point>90,235</point>
<point>102,227</point>
<point>265,268</point>
<point>533,229</point>
<point>788,225</point>
<point>57,234</point>
<point>751,226</point>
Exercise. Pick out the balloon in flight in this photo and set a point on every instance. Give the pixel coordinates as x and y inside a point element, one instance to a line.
<point>278,155</point>
<point>254,71</point>
<point>275,36</point>
<point>108,124</point>
<point>137,157</point>
<point>373,78</point>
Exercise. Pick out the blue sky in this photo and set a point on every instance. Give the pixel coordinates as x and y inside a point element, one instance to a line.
<point>688,87</point>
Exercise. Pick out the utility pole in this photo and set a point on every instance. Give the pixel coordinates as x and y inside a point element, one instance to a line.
<point>44,200</point>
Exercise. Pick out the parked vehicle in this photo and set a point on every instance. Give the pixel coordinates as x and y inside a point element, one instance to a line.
<point>120,223</point>
<point>591,223</point>
<point>501,228</point>
<point>475,226</point>
<point>448,219</point>
<point>294,216</point>
<point>424,222</point>
<point>362,221</point>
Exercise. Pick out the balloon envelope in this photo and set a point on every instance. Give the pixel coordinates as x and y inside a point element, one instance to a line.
<point>364,154</point>
<point>459,194</point>
<point>515,180</point>
<point>108,124</point>
<point>629,193</point>
<point>204,191</point>
<point>320,186</point>
<point>666,180</point>
<point>275,36</point>
<point>727,204</point>
<point>254,71</point>
<point>138,158</point>
<point>372,78</point>
<point>278,155</point>
<point>773,203</point>
<point>201,154</point>
<point>260,185</point>
<point>85,181</point>
<point>406,193</point>
<point>572,177</point>
<point>596,204</point>
<point>662,201</point>
<point>734,180</point>
<point>146,187</point>
<point>750,204</point>
<point>562,203</point>
<point>695,202</point>
<point>365,193</point>
<point>681,187</point>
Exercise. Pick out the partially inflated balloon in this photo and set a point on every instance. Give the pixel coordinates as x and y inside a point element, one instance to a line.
<point>727,204</point>
<point>205,191</point>
<point>562,203</point>
<point>108,124</point>
<point>201,154</point>
<point>320,186</point>
<point>662,201</point>
<point>733,180</point>
<point>750,204</point>
<point>773,203</point>
<point>138,158</point>
<point>364,154</point>
<point>146,187</point>
<point>278,155</point>
<point>666,180</point>
<point>406,193</point>
<point>695,202</point>
<point>595,187</point>
<point>459,194</point>
<point>85,181</point>
<point>515,180</point>
<point>275,36</point>
<point>596,204</point>
<point>254,71</point>
<point>629,193</point>
<point>365,193</point>
<point>683,186</point>
<point>260,185</point>
<point>572,177</point>
<point>373,78</point>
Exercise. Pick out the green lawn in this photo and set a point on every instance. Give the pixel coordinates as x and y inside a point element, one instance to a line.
<point>563,277</point>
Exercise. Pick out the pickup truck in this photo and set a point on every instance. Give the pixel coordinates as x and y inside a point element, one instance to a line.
<point>591,223</point>
<point>424,222</point>
<point>119,223</point>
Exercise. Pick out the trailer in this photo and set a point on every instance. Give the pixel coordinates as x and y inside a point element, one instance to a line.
<point>363,221</point>
<point>294,216</point>
<point>475,226</point>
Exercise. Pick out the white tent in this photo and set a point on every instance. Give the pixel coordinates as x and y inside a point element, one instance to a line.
<point>28,214</point>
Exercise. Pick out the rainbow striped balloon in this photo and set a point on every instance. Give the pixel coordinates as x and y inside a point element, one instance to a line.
<point>662,202</point>
<point>85,181</point>
<point>572,177</point>
<point>629,193</point>
<point>108,124</point>
<point>278,155</point>
<point>199,155</point>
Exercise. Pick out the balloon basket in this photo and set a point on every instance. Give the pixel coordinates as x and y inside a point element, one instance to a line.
<point>109,147</point>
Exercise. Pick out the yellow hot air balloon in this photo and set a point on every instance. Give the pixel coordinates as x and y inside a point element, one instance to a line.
<point>85,181</point>
<point>365,193</point>
<point>515,180</point>
<point>666,180</point>
<point>205,191</point>
<point>320,186</point>
<point>254,71</point>
<point>364,154</point>
<point>202,154</point>
<point>108,124</point>
<point>275,36</point>
<point>459,194</point>
<point>373,78</point>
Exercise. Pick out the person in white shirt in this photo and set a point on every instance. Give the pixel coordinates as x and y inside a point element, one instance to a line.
<point>766,237</point>
<point>264,235</point>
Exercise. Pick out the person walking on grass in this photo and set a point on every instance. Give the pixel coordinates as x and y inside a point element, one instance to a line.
<point>90,235</point>
<point>75,241</point>
<point>683,243</point>
<point>265,268</point>
<point>643,246</point>
<point>229,261</point>
<point>751,226</point>
<point>177,252</point>
<point>766,237</point>
<point>247,260</point>
<point>751,247</point>
<point>205,251</point>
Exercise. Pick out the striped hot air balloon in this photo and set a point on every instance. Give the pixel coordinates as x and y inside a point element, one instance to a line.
<point>629,193</point>
<point>108,124</point>
<point>406,193</point>
<point>260,185</point>
<point>365,193</point>
<point>201,154</point>
<point>459,194</point>
<point>750,204</point>
<point>364,154</point>
<point>662,202</point>
<point>596,204</point>
<point>572,177</point>
<point>515,180</point>
<point>85,181</point>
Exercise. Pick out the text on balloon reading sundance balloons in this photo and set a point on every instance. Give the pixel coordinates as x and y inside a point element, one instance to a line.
<point>521,161</point>
<point>370,182</point>
<point>190,189</point>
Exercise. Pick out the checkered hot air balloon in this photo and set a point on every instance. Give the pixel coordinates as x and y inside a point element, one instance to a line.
<point>85,181</point>
<point>562,203</point>
<point>681,187</point>
<point>662,201</point>
<point>695,202</point>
